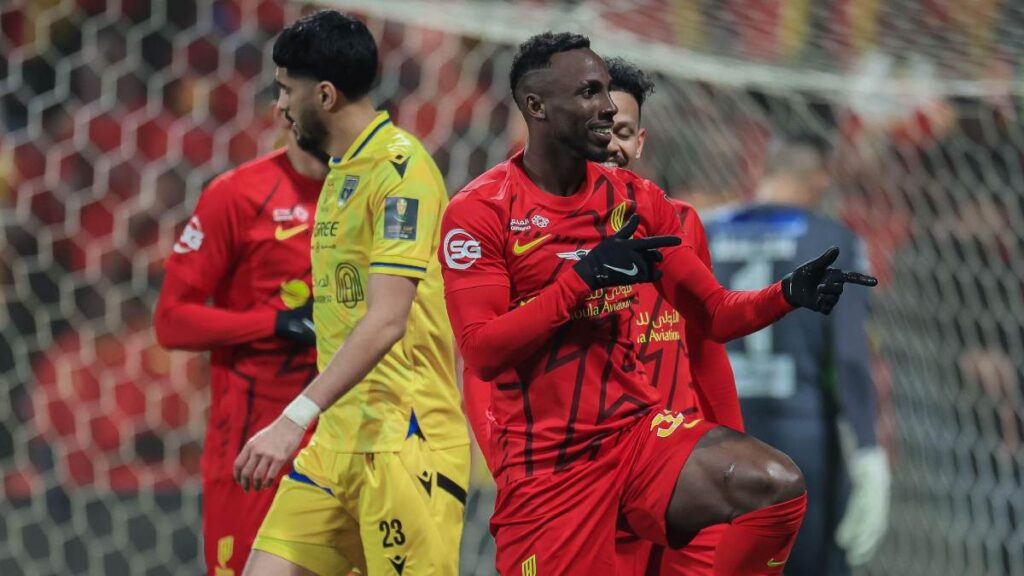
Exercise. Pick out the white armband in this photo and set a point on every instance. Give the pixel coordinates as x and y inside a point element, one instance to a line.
<point>302,411</point>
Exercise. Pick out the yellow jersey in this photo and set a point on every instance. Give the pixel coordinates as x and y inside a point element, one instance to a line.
<point>379,213</point>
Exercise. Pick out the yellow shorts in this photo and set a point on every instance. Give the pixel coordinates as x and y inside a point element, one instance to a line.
<point>381,513</point>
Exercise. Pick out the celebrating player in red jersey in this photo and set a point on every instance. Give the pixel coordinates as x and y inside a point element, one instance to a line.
<point>661,336</point>
<point>246,248</point>
<point>540,268</point>
<point>690,371</point>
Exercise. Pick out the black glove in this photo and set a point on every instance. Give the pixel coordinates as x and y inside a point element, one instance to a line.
<point>296,324</point>
<point>620,260</point>
<point>816,286</point>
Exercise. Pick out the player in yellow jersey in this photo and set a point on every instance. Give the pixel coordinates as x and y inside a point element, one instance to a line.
<point>381,486</point>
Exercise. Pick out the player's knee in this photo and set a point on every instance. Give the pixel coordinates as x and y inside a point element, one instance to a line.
<point>770,479</point>
<point>787,479</point>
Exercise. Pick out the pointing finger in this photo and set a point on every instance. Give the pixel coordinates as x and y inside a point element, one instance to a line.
<point>861,279</point>
<point>652,242</point>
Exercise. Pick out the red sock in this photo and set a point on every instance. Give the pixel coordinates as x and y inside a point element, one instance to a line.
<point>758,543</point>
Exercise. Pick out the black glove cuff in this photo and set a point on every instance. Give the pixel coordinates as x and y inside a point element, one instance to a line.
<point>787,290</point>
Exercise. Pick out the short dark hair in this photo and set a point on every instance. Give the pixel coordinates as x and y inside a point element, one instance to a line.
<point>628,78</point>
<point>330,46</point>
<point>535,54</point>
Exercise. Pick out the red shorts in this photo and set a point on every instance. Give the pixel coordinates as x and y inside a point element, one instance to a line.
<point>640,557</point>
<point>231,516</point>
<point>565,523</point>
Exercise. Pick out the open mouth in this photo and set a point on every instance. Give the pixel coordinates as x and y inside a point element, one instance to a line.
<point>602,133</point>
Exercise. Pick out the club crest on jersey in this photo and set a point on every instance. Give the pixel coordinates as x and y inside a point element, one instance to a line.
<point>619,215</point>
<point>348,188</point>
<point>530,566</point>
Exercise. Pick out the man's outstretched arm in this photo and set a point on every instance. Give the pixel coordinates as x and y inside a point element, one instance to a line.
<point>729,314</point>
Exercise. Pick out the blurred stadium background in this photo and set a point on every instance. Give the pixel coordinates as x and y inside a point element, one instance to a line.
<point>114,114</point>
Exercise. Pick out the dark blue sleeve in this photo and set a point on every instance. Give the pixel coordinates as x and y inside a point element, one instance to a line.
<point>856,388</point>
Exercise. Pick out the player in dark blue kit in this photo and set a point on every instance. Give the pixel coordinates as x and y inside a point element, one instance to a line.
<point>805,382</point>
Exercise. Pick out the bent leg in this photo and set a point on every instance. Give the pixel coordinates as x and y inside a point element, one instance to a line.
<point>727,475</point>
<point>734,478</point>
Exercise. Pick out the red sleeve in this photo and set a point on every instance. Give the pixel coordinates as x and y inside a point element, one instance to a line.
<point>491,337</point>
<point>691,288</point>
<point>709,362</point>
<point>184,320</point>
<point>205,251</point>
<point>203,256</point>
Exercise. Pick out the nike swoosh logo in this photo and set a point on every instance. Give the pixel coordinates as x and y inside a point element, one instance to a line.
<point>631,272</point>
<point>689,425</point>
<point>283,233</point>
<point>773,564</point>
<point>520,249</point>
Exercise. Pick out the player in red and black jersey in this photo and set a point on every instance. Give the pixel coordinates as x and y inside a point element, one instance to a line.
<point>540,273</point>
<point>238,284</point>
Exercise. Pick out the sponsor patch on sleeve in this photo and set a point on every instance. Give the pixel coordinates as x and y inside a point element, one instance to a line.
<point>400,218</point>
<point>191,237</point>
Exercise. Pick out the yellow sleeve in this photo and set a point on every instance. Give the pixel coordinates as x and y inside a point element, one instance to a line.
<point>406,214</point>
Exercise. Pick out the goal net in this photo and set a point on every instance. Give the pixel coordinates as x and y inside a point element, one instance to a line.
<point>115,114</point>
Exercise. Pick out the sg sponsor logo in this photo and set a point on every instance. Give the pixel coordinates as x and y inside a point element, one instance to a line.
<point>460,249</point>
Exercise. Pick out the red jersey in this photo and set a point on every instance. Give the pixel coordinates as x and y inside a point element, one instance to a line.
<point>247,248</point>
<point>563,359</point>
<point>660,331</point>
<point>677,359</point>
<point>661,340</point>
